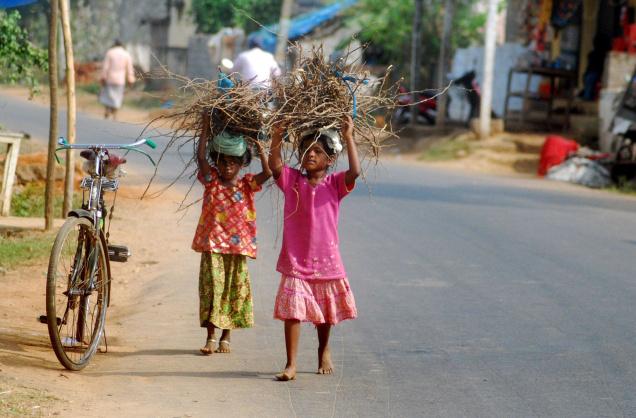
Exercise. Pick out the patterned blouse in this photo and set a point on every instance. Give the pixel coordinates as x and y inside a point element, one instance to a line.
<point>228,217</point>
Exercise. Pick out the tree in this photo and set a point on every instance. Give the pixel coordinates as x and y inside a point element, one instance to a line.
<point>71,104</point>
<point>388,30</point>
<point>416,44</point>
<point>212,15</point>
<point>20,60</point>
<point>53,75</point>
<point>440,119</point>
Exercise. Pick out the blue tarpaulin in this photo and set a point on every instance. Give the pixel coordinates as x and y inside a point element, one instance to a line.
<point>300,25</point>
<point>5,4</point>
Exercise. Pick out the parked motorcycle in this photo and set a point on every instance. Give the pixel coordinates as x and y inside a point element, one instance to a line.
<point>427,102</point>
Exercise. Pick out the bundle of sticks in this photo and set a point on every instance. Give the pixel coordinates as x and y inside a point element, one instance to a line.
<point>238,108</point>
<point>232,105</point>
<point>316,94</point>
<point>319,94</point>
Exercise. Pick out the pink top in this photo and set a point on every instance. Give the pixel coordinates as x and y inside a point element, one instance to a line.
<point>117,67</point>
<point>310,230</point>
<point>228,218</point>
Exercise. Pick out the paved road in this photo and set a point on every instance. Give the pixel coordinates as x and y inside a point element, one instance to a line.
<point>478,297</point>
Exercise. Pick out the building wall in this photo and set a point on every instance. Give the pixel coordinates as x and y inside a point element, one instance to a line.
<point>330,37</point>
<point>588,30</point>
<point>506,57</point>
<point>136,17</point>
<point>205,52</point>
<point>515,21</point>
<point>182,25</point>
<point>156,32</point>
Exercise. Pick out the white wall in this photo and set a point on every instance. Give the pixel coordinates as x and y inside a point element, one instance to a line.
<point>506,57</point>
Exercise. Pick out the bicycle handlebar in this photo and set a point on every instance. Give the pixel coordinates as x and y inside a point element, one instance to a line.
<point>129,147</point>
<point>65,145</point>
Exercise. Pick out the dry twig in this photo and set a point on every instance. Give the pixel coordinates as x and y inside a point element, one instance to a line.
<point>319,93</point>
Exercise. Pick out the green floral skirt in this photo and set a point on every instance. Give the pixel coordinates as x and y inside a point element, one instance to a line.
<point>225,294</point>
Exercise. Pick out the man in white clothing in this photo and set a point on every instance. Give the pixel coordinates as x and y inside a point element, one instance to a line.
<point>117,69</point>
<point>256,66</point>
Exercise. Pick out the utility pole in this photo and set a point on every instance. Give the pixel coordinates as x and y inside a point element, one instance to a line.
<point>449,10</point>
<point>283,31</point>
<point>489,64</point>
<point>416,43</point>
<point>50,164</point>
<point>71,105</point>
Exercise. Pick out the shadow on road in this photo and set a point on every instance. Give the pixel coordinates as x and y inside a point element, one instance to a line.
<point>156,352</point>
<point>201,374</point>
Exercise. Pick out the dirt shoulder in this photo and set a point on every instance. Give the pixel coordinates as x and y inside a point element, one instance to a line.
<point>457,148</point>
<point>32,382</point>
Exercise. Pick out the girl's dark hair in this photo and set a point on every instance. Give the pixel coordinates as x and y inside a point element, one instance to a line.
<point>245,159</point>
<point>306,140</point>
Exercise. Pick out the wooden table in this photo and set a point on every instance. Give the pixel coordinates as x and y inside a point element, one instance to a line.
<point>569,78</point>
<point>10,164</point>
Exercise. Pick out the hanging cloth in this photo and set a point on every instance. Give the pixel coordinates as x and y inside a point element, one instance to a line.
<point>565,12</point>
<point>545,12</point>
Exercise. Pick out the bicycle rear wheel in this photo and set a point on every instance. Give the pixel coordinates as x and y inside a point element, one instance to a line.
<point>76,293</point>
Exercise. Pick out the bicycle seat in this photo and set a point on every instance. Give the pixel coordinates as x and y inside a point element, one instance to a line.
<point>88,154</point>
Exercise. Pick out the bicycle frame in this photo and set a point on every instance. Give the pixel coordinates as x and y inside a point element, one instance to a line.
<point>96,183</point>
<point>79,277</point>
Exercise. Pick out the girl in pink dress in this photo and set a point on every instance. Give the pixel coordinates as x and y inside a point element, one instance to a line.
<point>314,286</point>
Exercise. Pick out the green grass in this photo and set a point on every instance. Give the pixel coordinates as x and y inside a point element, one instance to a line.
<point>624,187</point>
<point>20,401</point>
<point>29,201</point>
<point>92,88</point>
<point>25,249</point>
<point>145,101</point>
<point>446,150</point>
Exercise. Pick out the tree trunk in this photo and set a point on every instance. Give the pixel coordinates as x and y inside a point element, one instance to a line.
<point>416,43</point>
<point>50,164</point>
<point>283,32</point>
<point>489,64</point>
<point>449,10</point>
<point>71,105</point>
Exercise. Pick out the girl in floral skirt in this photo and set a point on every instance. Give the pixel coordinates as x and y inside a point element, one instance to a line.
<point>226,235</point>
<point>314,285</point>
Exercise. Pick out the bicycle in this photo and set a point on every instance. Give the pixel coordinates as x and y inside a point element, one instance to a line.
<point>78,277</point>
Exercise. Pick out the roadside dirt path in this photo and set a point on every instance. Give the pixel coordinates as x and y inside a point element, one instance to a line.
<point>152,367</point>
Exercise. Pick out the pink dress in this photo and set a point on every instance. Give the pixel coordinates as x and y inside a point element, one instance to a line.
<point>314,285</point>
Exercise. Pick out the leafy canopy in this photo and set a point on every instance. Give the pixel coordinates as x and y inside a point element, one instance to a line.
<point>212,15</point>
<point>19,59</point>
<point>388,28</point>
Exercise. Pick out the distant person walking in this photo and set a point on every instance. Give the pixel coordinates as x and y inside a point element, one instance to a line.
<point>256,66</point>
<point>117,69</point>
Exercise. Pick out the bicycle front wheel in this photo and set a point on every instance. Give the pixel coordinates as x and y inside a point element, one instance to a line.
<point>76,293</point>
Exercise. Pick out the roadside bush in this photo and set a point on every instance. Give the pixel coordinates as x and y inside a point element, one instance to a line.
<point>28,201</point>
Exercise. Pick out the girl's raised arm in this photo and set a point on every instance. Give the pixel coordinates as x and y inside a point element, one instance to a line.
<point>262,177</point>
<point>352,152</point>
<point>275,161</point>
<point>204,165</point>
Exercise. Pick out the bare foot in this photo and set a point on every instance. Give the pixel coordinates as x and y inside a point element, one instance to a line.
<point>324,361</point>
<point>208,348</point>
<point>288,374</point>
<point>224,347</point>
